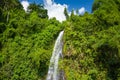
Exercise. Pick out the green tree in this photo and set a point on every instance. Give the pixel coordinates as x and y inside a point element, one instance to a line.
<point>66,13</point>
<point>39,9</point>
<point>7,6</point>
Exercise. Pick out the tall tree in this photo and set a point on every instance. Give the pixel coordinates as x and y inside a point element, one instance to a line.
<point>66,13</point>
<point>39,9</point>
<point>8,5</point>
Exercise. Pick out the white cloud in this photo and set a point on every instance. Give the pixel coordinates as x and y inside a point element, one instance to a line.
<point>25,4</point>
<point>82,11</point>
<point>48,2</point>
<point>55,10</point>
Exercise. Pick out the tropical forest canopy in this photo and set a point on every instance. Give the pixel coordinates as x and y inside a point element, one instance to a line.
<point>91,42</point>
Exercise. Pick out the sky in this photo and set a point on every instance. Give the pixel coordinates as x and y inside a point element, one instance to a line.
<point>56,7</point>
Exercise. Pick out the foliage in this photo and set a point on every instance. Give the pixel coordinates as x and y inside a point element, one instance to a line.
<point>66,13</point>
<point>39,9</point>
<point>91,42</point>
<point>26,42</point>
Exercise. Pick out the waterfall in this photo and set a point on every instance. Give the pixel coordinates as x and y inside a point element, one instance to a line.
<point>53,73</point>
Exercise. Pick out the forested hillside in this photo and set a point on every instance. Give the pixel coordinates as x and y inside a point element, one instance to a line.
<point>91,42</point>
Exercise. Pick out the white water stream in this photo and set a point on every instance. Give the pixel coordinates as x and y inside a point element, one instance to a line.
<point>53,73</point>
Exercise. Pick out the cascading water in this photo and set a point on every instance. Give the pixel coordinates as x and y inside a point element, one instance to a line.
<point>53,73</point>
